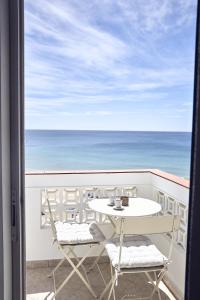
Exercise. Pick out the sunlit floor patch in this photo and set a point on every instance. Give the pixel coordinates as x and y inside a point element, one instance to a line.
<point>40,296</point>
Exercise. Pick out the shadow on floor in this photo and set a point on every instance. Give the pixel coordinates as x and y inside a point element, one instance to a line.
<point>38,285</point>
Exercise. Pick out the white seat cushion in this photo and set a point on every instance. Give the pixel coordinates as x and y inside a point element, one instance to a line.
<point>77,233</point>
<point>137,252</point>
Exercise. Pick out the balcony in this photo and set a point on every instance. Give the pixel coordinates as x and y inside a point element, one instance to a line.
<point>75,187</point>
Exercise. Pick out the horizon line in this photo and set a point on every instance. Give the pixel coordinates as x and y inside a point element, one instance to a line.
<point>108,130</point>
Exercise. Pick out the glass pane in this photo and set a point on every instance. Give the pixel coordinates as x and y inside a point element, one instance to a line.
<point>109,99</point>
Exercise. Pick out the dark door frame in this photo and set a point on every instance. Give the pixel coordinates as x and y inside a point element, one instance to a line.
<point>192,285</point>
<point>17,147</point>
<point>12,178</point>
<point>16,23</point>
<point>12,213</point>
<point>5,206</point>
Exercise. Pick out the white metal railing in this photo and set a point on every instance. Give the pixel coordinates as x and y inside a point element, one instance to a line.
<point>75,200</point>
<point>172,206</point>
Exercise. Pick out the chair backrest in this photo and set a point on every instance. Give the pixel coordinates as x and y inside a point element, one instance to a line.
<point>148,225</point>
<point>53,228</point>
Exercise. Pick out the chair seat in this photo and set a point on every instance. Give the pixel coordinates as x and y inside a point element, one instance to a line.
<point>137,252</point>
<point>74,234</point>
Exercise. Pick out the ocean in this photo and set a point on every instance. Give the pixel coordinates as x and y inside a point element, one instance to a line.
<point>86,150</point>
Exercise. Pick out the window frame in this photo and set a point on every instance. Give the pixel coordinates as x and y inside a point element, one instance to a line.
<point>192,286</point>
<point>12,22</point>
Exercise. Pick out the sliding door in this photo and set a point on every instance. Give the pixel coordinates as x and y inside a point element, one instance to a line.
<point>17,146</point>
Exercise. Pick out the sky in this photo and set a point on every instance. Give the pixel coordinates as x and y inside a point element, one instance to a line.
<point>109,64</point>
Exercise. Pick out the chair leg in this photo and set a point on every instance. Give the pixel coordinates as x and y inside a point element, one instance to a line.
<point>75,270</point>
<point>111,271</point>
<point>56,292</point>
<point>56,268</point>
<point>96,261</point>
<point>150,279</point>
<point>100,254</point>
<point>59,264</point>
<point>77,259</point>
<point>101,274</point>
<point>156,286</point>
<point>106,289</point>
<point>112,286</point>
<point>158,290</point>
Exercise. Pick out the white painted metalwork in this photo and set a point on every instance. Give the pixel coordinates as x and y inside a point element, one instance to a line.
<point>57,209</point>
<point>77,209</point>
<point>171,206</point>
<point>147,185</point>
<point>143,225</point>
<point>76,200</point>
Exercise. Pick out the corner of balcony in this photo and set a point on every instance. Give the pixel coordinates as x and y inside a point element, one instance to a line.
<point>170,191</point>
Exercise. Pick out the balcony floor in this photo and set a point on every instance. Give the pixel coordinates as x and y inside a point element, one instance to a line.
<point>39,285</point>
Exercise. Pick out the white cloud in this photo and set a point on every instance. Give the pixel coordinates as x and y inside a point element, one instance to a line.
<point>106,51</point>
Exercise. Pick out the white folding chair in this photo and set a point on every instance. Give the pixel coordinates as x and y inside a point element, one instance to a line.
<point>133,252</point>
<point>67,236</point>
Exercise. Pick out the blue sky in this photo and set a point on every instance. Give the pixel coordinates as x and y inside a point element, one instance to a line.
<point>110,64</point>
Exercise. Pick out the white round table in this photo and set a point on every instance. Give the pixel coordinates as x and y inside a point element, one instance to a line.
<point>138,207</point>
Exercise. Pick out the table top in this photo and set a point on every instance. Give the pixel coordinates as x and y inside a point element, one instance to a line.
<point>138,207</point>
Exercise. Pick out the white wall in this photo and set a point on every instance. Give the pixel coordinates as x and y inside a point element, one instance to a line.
<point>177,269</point>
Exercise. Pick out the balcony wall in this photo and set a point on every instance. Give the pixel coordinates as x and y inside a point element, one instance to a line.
<point>170,191</point>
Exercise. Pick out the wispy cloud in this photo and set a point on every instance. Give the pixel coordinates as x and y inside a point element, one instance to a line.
<point>102,52</point>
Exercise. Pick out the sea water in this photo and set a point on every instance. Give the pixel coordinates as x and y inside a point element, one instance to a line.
<point>87,150</point>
